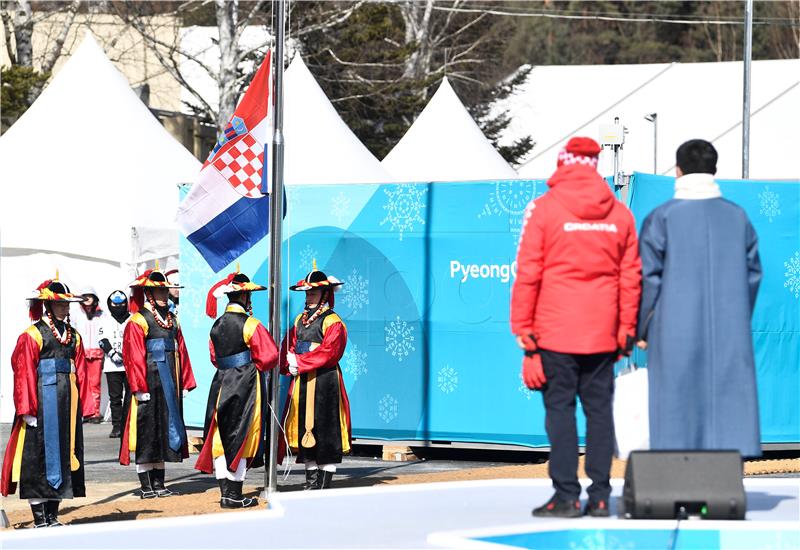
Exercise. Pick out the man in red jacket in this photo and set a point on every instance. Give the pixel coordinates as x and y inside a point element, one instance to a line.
<point>573,310</point>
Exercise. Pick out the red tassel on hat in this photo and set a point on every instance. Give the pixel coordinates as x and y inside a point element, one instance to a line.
<point>211,300</point>
<point>35,310</point>
<point>137,299</point>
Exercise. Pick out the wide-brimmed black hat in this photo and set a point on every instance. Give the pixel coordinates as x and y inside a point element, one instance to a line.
<point>316,279</point>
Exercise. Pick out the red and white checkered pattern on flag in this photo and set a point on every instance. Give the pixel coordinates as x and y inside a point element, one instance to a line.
<point>241,164</point>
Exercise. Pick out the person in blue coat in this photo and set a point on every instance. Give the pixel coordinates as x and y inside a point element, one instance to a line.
<point>700,277</point>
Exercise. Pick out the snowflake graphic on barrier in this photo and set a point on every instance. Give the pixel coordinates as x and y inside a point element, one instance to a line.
<point>355,292</point>
<point>340,206</point>
<point>355,361</point>
<point>387,408</point>
<point>447,379</point>
<point>792,274</point>
<point>193,298</point>
<point>404,207</point>
<point>306,258</point>
<point>770,204</point>
<point>510,199</point>
<point>399,339</point>
<point>526,392</point>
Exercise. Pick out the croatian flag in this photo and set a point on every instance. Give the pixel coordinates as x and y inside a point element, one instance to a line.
<point>227,209</point>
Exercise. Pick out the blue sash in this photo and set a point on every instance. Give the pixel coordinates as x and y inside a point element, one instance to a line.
<point>47,370</point>
<point>158,349</point>
<point>302,346</point>
<point>236,360</point>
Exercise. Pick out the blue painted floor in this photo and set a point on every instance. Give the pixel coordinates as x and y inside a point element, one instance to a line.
<point>479,514</point>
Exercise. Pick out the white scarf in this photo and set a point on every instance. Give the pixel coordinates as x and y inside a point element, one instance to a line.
<point>697,187</point>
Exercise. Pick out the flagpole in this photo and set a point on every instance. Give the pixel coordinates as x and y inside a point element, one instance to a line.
<point>275,220</point>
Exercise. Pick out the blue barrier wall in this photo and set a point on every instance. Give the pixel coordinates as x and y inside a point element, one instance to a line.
<point>428,270</point>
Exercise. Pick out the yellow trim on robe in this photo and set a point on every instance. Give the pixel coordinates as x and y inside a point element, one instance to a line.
<point>254,431</point>
<point>73,416</point>
<point>343,421</point>
<point>235,308</point>
<point>292,418</point>
<point>249,329</point>
<point>77,338</point>
<point>132,425</point>
<point>216,441</point>
<point>17,464</point>
<point>34,333</point>
<point>331,319</point>
<point>139,319</point>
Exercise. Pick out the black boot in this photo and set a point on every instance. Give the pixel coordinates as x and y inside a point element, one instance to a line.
<point>232,496</point>
<point>325,479</point>
<point>312,479</point>
<point>51,508</point>
<point>39,515</point>
<point>116,433</point>
<point>157,475</point>
<point>223,485</point>
<point>147,485</point>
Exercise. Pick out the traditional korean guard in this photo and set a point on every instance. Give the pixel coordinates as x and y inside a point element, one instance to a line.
<point>160,376</point>
<point>44,455</point>
<point>317,414</point>
<point>236,420</point>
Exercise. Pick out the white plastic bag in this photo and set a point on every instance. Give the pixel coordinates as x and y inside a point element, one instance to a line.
<point>631,418</point>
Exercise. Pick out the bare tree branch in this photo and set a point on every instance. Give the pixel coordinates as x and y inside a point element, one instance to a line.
<point>54,51</point>
<point>350,63</point>
<point>8,31</point>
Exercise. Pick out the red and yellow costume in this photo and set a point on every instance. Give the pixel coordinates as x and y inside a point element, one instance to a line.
<point>156,363</point>
<point>236,416</point>
<point>44,455</point>
<point>317,414</point>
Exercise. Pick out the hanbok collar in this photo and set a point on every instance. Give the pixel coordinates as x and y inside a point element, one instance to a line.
<point>697,187</point>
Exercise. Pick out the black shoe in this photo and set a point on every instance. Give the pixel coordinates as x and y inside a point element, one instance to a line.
<point>147,485</point>
<point>597,509</point>
<point>232,496</point>
<point>39,512</point>
<point>157,475</point>
<point>313,479</point>
<point>95,420</point>
<point>558,508</point>
<point>115,433</point>
<point>51,509</point>
<point>325,479</point>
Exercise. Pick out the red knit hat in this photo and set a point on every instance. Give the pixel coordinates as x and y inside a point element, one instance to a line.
<point>580,150</point>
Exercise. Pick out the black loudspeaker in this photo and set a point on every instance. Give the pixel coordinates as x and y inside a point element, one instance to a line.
<point>675,484</point>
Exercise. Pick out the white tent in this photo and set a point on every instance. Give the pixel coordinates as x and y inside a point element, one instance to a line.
<point>445,144</point>
<point>692,100</point>
<point>89,188</point>
<point>320,147</point>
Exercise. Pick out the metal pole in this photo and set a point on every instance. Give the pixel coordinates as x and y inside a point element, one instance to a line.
<point>748,55</point>
<point>653,117</point>
<point>275,220</point>
<point>616,160</point>
<point>655,143</point>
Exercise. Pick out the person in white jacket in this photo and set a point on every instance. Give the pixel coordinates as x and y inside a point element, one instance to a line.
<point>112,331</point>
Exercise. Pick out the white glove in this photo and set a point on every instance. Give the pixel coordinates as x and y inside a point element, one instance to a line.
<point>142,396</point>
<point>185,393</point>
<point>293,370</point>
<point>116,357</point>
<point>30,420</point>
<point>291,358</point>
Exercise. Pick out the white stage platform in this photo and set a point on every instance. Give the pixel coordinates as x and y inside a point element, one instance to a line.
<point>475,514</point>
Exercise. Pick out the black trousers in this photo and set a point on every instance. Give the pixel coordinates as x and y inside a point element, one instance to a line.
<point>590,377</point>
<point>117,385</point>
